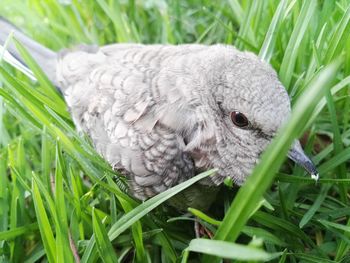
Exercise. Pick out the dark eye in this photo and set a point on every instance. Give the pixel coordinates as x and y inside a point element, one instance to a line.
<point>239,119</point>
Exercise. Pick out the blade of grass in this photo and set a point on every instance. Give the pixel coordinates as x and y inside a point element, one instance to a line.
<point>136,229</point>
<point>239,16</point>
<point>45,157</point>
<point>4,134</point>
<point>77,193</point>
<point>36,254</point>
<point>315,61</point>
<point>229,250</point>
<point>4,195</point>
<point>64,253</point>
<point>263,234</point>
<point>204,217</point>
<point>128,219</point>
<point>339,37</point>
<point>7,56</point>
<point>73,148</point>
<point>44,224</point>
<point>315,206</point>
<point>46,84</point>
<point>283,257</point>
<point>137,213</point>
<point>268,45</point>
<point>338,143</point>
<point>344,228</point>
<point>20,112</point>
<point>103,244</point>
<point>113,11</point>
<point>18,231</point>
<point>16,198</point>
<point>291,53</point>
<point>283,225</point>
<point>245,27</point>
<point>302,179</point>
<point>323,102</point>
<point>310,258</point>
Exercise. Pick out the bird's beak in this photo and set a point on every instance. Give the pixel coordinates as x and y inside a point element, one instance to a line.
<point>297,154</point>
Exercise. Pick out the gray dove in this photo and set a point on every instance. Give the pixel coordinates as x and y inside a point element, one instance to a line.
<point>159,114</point>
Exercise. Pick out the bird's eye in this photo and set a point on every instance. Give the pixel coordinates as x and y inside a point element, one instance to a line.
<point>239,119</point>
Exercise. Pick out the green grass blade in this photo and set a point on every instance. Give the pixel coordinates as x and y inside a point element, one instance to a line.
<point>136,229</point>
<point>47,195</point>
<point>128,219</point>
<point>46,157</point>
<point>343,247</point>
<point>263,234</point>
<point>20,178</point>
<point>268,45</point>
<point>4,134</point>
<point>338,143</point>
<point>335,161</point>
<point>18,231</point>
<point>229,250</point>
<point>245,29</point>
<point>103,244</point>
<point>323,102</point>
<point>204,217</point>
<point>16,197</point>
<point>20,112</point>
<point>4,197</point>
<point>291,53</point>
<point>344,228</point>
<point>48,88</point>
<point>315,206</point>
<point>35,255</point>
<point>339,37</point>
<point>113,11</point>
<point>283,257</point>
<point>282,225</point>
<point>315,61</point>
<point>168,248</point>
<point>311,259</point>
<point>137,213</point>
<point>240,16</point>
<point>302,179</point>
<point>44,224</point>
<point>64,253</point>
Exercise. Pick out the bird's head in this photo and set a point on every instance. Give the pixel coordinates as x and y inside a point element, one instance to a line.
<point>248,105</point>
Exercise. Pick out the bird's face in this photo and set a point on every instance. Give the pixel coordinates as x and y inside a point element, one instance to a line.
<point>250,106</point>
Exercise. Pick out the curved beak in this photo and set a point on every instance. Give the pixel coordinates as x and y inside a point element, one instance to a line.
<point>297,155</point>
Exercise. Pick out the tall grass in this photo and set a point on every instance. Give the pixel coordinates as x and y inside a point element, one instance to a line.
<point>61,202</point>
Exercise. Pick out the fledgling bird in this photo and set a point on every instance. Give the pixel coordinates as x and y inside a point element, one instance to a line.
<point>162,113</point>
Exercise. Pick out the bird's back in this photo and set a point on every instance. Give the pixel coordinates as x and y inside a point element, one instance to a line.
<point>133,101</point>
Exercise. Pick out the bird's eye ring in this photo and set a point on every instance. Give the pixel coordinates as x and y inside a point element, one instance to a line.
<point>239,119</point>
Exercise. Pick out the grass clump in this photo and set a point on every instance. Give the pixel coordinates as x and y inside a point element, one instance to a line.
<point>59,200</point>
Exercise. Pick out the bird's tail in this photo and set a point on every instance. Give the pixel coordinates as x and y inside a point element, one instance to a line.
<point>46,58</point>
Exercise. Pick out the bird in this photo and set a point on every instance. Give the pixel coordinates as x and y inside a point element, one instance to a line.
<point>160,114</point>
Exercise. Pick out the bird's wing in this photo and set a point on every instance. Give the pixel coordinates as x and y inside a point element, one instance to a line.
<point>131,112</point>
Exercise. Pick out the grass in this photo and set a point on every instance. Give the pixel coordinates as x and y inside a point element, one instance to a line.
<point>61,202</point>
